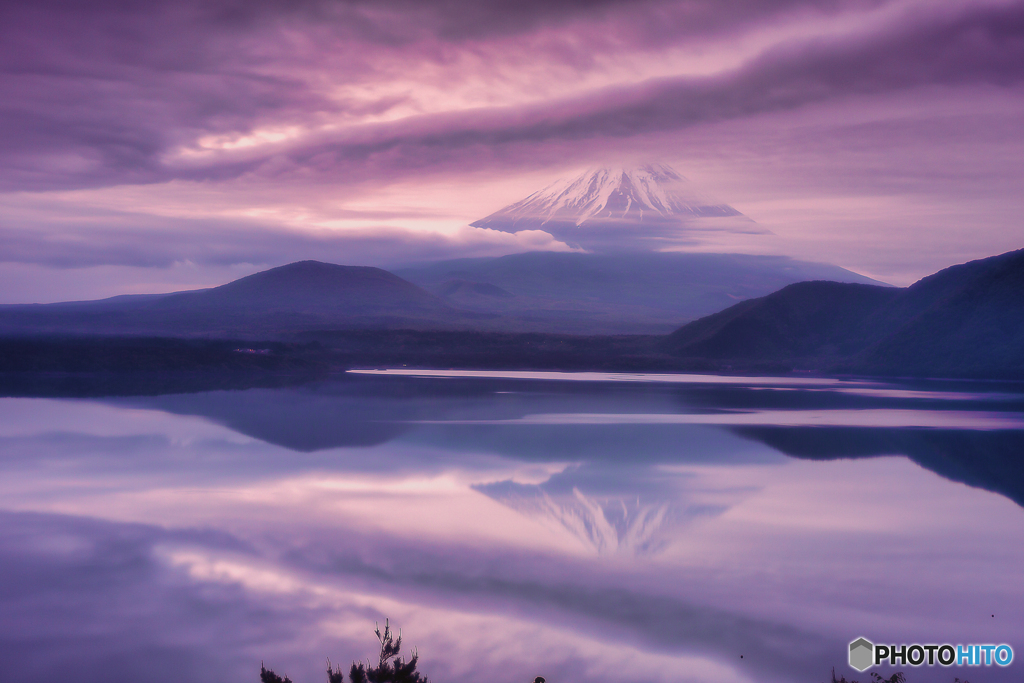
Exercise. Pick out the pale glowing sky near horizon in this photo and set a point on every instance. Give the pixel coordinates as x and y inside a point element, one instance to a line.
<point>148,146</point>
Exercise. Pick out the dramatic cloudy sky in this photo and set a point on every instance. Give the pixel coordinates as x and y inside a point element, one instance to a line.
<point>148,145</point>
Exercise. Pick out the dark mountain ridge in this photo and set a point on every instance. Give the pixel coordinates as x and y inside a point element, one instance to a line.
<point>817,318</point>
<point>531,292</point>
<point>313,287</point>
<point>966,320</point>
<point>298,296</point>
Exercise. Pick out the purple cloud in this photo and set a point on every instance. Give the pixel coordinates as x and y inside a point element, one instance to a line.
<point>153,242</point>
<point>319,108</point>
<point>979,46</point>
<point>105,97</point>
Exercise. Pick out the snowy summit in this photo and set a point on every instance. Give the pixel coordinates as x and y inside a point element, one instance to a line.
<point>651,205</point>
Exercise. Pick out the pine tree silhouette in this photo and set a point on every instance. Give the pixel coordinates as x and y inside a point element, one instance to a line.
<point>391,668</point>
<point>387,671</point>
<point>268,676</point>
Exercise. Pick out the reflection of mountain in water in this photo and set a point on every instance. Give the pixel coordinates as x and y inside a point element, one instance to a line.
<point>297,419</point>
<point>606,524</point>
<point>612,510</point>
<point>366,410</point>
<point>348,411</point>
<point>989,460</point>
<point>615,501</point>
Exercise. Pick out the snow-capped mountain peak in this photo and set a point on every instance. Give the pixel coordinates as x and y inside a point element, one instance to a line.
<point>656,190</point>
<point>608,204</point>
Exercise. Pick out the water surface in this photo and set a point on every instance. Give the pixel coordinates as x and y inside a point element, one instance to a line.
<point>583,527</point>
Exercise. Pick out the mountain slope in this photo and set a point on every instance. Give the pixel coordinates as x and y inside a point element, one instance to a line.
<point>298,296</point>
<point>624,292</point>
<point>964,321</point>
<point>636,293</point>
<point>820,319</point>
<point>608,208</point>
<point>313,287</point>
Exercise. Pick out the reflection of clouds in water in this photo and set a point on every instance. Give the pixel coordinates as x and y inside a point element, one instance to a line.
<point>669,549</point>
<point>114,601</point>
<point>87,599</point>
<point>609,509</point>
<point>573,595</point>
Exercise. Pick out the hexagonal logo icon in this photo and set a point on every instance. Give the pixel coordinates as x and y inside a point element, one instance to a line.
<point>862,654</point>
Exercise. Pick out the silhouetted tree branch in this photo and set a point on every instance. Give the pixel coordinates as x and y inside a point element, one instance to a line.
<point>268,676</point>
<point>391,668</point>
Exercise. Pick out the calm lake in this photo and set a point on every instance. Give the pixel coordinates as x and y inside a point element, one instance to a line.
<point>580,527</point>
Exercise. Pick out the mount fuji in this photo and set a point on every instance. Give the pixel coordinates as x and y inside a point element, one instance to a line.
<point>648,207</point>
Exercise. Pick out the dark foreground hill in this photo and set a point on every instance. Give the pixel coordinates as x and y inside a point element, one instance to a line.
<point>299,296</point>
<point>964,321</point>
